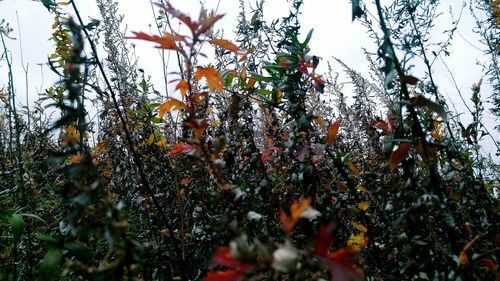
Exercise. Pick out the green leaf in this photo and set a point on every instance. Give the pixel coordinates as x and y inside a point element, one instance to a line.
<point>50,263</point>
<point>308,38</point>
<point>17,223</point>
<point>263,92</point>
<point>229,79</point>
<point>79,249</point>
<point>47,238</point>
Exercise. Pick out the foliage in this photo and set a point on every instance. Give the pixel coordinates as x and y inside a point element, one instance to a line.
<point>254,166</point>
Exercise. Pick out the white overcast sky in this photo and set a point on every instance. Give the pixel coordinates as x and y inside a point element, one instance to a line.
<point>334,35</point>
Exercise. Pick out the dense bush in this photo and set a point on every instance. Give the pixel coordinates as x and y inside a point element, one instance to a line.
<point>257,167</point>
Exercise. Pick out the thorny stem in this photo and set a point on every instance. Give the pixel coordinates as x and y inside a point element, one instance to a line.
<point>138,163</point>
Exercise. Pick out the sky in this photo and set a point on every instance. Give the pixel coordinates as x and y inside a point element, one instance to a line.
<point>335,35</point>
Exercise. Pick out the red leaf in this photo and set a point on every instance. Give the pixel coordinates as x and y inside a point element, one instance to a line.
<point>319,83</point>
<point>399,155</point>
<point>333,131</point>
<point>193,26</point>
<point>324,240</point>
<point>490,264</point>
<point>229,275</point>
<point>303,67</point>
<point>167,41</point>
<point>226,44</point>
<point>265,157</point>
<point>180,147</point>
<point>223,257</point>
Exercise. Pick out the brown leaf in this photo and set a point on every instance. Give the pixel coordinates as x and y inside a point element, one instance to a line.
<point>333,130</point>
<point>408,79</point>
<point>422,101</point>
<point>399,155</point>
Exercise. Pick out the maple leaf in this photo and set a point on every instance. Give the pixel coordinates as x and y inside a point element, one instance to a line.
<point>357,241</point>
<point>296,210</point>
<point>169,105</point>
<point>183,86</point>
<point>167,41</point>
<point>214,79</point>
<point>333,130</point>
<point>399,155</point>
<point>226,44</point>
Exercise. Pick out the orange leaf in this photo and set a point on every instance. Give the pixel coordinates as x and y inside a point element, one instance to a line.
<point>167,41</point>
<point>295,211</point>
<point>226,44</point>
<point>463,258</point>
<point>169,105</point>
<point>214,79</point>
<point>183,86</point>
<point>333,131</point>
<point>399,155</point>
<point>185,181</point>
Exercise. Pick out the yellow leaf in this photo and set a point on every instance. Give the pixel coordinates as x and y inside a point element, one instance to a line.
<point>362,189</point>
<point>358,241</point>
<point>359,226</point>
<point>169,105</point>
<point>151,138</point>
<point>214,79</point>
<point>363,205</point>
<point>162,143</point>
<point>353,168</point>
<point>226,44</point>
